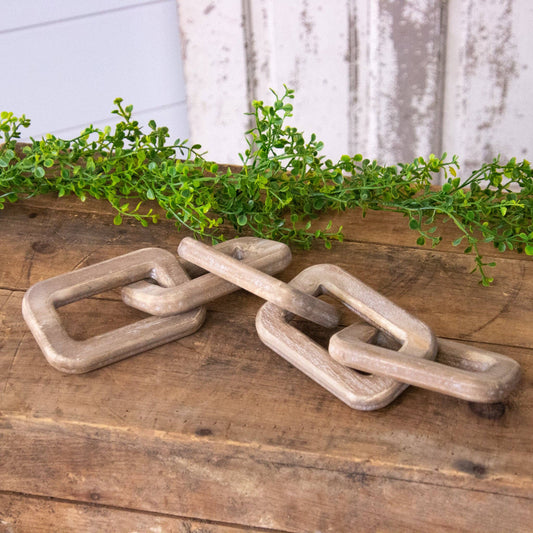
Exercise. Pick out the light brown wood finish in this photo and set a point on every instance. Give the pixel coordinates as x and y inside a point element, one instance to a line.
<point>259,283</point>
<point>358,391</point>
<point>462,371</point>
<point>76,356</point>
<point>30,514</point>
<point>268,256</point>
<point>229,432</point>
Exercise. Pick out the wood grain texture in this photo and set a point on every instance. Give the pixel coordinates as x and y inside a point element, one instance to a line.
<point>367,75</point>
<point>217,427</point>
<point>258,283</point>
<point>379,250</point>
<point>40,303</point>
<point>459,370</point>
<point>265,255</point>
<point>22,513</point>
<point>358,391</point>
<point>377,227</point>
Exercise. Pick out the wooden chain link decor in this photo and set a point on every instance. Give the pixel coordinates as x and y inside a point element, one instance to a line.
<point>367,365</point>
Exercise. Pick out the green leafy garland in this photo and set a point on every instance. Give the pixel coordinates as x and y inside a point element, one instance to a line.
<point>283,186</point>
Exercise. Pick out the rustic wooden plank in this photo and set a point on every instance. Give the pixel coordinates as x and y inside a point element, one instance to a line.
<point>228,431</point>
<point>71,237</point>
<point>368,75</point>
<point>239,391</point>
<point>25,513</point>
<point>286,45</point>
<point>212,36</point>
<point>381,227</point>
<point>261,485</point>
<point>45,243</point>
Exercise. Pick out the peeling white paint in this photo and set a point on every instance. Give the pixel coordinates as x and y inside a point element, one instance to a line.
<point>489,81</point>
<point>215,74</point>
<point>392,80</point>
<point>304,45</point>
<point>398,71</point>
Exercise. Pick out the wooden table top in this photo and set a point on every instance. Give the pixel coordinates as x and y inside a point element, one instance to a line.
<point>216,433</point>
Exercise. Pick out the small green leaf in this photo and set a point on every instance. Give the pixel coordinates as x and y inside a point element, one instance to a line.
<point>458,241</point>
<point>9,155</point>
<point>319,204</point>
<point>117,220</point>
<point>283,178</point>
<point>141,156</point>
<point>39,172</point>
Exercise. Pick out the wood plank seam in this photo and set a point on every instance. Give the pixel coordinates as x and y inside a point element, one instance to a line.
<point>154,514</point>
<point>306,460</point>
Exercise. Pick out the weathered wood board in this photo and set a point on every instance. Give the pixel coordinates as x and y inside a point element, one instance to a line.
<point>216,427</point>
<point>390,80</point>
<point>22,513</point>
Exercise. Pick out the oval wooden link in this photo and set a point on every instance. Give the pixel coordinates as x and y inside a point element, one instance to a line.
<point>268,256</point>
<point>356,390</point>
<point>461,371</point>
<point>75,357</point>
<point>259,283</point>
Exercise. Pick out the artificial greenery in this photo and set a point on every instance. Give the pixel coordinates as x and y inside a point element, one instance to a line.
<point>282,187</point>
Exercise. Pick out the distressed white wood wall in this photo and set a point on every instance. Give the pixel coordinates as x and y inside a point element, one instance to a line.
<point>62,63</point>
<point>390,79</point>
<point>488,107</point>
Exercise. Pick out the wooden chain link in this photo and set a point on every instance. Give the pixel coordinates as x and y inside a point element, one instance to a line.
<point>394,346</point>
